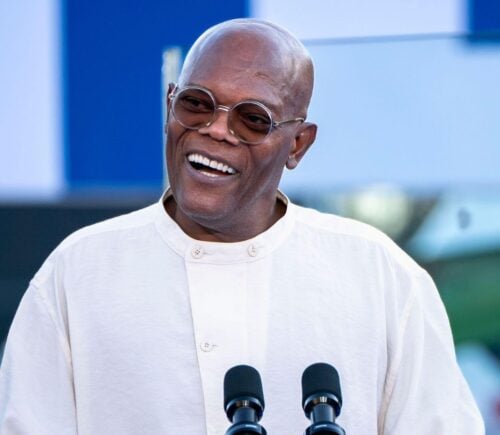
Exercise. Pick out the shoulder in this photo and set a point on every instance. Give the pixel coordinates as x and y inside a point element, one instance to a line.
<point>351,237</point>
<point>99,240</point>
<point>112,227</point>
<point>363,258</point>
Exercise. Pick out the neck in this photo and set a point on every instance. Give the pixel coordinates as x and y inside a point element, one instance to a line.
<point>223,230</point>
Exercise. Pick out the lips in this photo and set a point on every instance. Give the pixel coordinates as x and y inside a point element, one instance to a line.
<point>209,167</point>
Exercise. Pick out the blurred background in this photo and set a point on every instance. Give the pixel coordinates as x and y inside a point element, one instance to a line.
<point>407,98</point>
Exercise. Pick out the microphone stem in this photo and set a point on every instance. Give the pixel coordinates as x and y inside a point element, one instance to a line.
<point>244,414</point>
<point>322,412</point>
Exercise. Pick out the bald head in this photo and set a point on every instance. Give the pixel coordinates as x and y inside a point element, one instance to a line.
<point>261,49</point>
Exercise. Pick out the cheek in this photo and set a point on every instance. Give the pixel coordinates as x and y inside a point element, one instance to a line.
<point>172,135</point>
<point>269,162</point>
<point>172,151</point>
<point>275,154</point>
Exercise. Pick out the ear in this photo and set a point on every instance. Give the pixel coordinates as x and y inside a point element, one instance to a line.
<point>171,89</point>
<point>303,140</point>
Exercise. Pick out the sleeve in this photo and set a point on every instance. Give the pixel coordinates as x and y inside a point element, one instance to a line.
<point>36,386</point>
<point>425,391</point>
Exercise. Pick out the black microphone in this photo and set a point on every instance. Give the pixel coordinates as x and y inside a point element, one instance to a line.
<point>243,401</point>
<point>322,399</point>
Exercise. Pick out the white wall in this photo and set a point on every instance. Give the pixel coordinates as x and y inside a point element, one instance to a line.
<point>320,19</point>
<point>30,100</point>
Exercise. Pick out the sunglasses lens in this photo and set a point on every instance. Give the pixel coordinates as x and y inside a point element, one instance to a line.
<point>250,122</point>
<point>193,108</point>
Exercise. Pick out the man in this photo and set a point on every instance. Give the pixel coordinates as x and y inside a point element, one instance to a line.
<point>130,325</point>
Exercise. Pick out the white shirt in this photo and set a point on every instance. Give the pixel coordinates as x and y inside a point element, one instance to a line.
<point>130,325</point>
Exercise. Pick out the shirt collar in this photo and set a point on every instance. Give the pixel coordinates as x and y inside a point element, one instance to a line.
<point>223,253</point>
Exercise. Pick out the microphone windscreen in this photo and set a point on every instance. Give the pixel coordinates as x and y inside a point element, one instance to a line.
<point>320,378</point>
<point>242,381</point>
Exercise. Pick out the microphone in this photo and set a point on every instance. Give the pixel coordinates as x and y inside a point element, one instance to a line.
<point>322,399</point>
<point>243,401</point>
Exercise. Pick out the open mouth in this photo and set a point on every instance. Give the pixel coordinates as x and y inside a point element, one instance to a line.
<point>212,168</point>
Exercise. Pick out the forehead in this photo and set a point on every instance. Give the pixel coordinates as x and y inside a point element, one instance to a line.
<point>239,65</point>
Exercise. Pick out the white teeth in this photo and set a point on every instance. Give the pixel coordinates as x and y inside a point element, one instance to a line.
<point>210,174</point>
<point>213,164</point>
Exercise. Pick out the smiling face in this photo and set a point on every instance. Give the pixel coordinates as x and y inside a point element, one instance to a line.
<point>224,189</point>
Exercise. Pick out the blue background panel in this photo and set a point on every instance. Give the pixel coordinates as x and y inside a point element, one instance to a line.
<point>484,16</point>
<point>113,56</point>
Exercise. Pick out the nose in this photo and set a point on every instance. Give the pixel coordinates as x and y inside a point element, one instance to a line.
<point>219,128</point>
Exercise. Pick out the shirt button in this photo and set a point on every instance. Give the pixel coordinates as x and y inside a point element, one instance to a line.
<point>206,346</point>
<point>252,251</point>
<point>197,252</point>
